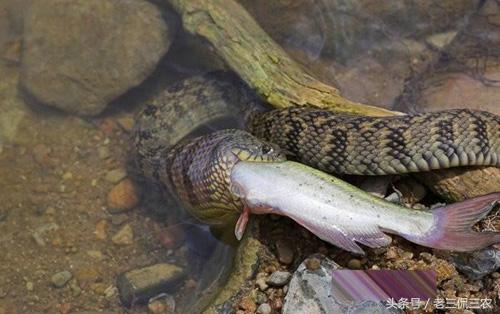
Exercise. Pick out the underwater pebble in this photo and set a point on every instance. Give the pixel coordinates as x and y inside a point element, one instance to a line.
<point>477,264</point>
<point>30,286</point>
<point>103,152</point>
<point>124,236</point>
<point>264,308</point>
<point>354,264</point>
<point>279,278</point>
<point>101,229</point>
<point>248,305</point>
<point>312,263</point>
<point>139,285</point>
<point>60,279</point>
<point>115,175</point>
<point>261,283</point>
<point>285,252</point>
<point>118,219</point>
<point>122,197</point>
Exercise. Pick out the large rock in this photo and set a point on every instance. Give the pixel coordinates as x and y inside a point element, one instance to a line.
<point>78,55</point>
<point>310,291</point>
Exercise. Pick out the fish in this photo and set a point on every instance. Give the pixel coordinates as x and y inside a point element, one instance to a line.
<point>346,216</point>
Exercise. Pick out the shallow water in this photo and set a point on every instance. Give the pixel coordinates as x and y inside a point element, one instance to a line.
<point>57,168</point>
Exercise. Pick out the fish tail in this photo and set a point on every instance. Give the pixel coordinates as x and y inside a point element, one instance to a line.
<point>452,226</point>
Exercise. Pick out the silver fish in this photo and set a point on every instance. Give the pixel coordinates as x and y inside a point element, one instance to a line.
<point>344,215</point>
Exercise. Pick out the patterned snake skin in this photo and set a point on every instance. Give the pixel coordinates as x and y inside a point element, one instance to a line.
<point>378,146</point>
<point>198,171</point>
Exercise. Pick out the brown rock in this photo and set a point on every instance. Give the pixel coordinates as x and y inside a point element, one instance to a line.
<point>354,264</point>
<point>41,154</point>
<point>101,229</point>
<point>285,252</point>
<point>313,263</point>
<point>122,196</point>
<point>248,305</point>
<point>124,236</point>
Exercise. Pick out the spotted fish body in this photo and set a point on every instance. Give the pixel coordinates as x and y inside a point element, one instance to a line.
<point>358,145</point>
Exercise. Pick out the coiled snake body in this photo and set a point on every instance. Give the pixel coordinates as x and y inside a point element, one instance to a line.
<point>197,171</point>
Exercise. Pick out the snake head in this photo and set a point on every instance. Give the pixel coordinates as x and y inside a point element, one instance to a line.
<point>253,149</point>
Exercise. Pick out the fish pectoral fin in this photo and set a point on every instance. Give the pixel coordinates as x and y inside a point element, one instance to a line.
<point>373,237</point>
<point>241,224</point>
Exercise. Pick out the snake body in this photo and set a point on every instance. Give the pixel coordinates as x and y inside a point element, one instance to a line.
<point>361,145</point>
<point>198,170</point>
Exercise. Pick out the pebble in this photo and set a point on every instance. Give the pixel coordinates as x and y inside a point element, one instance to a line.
<point>477,264</point>
<point>103,153</point>
<point>41,154</point>
<point>264,308</point>
<point>140,285</point>
<point>101,229</point>
<point>354,264</point>
<point>285,252</point>
<point>115,175</point>
<point>60,279</point>
<point>124,236</point>
<point>95,254</point>
<point>162,304</point>
<point>30,286</point>
<point>279,278</point>
<point>261,283</point>
<point>122,197</point>
<point>248,305</point>
<point>118,219</point>
<point>312,263</point>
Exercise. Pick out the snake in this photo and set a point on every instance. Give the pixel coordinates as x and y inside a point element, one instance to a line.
<point>197,170</point>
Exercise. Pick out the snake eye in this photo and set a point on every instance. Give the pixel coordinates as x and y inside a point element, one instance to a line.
<point>266,149</point>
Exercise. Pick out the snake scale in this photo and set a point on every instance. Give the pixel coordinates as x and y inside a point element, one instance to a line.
<point>197,170</point>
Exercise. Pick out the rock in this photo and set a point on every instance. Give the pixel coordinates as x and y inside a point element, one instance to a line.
<point>137,286</point>
<point>101,229</point>
<point>264,308</point>
<point>118,219</point>
<point>248,305</point>
<point>311,292</point>
<point>441,40</point>
<point>477,264</point>
<point>41,154</point>
<point>412,191</point>
<point>115,175</point>
<point>122,197</point>
<point>162,304</point>
<point>95,254</point>
<point>80,55</point>
<point>30,286</point>
<point>104,153</point>
<point>312,263</point>
<point>279,278</point>
<point>60,279</point>
<point>354,264</point>
<point>124,236</point>
<point>261,283</point>
<point>285,252</point>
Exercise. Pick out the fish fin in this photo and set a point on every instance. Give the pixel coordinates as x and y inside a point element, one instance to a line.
<point>374,240</point>
<point>241,224</point>
<point>452,226</point>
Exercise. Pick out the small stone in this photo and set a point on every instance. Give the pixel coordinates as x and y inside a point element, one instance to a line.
<point>127,123</point>
<point>30,286</point>
<point>51,211</point>
<point>118,219</point>
<point>285,252</point>
<point>95,254</point>
<point>122,197</point>
<point>261,283</point>
<point>264,308</point>
<point>426,256</point>
<point>41,154</point>
<point>115,175</point>
<point>98,287</point>
<point>124,236</point>
<point>312,263</point>
<point>140,285</point>
<point>67,176</point>
<point>60,279</point>
<point>101,229</point>
<point>260,297</point>
<point>354,264</point>
<point>248,305</point>
<point>110,292</point>
<point>103,152</point>
<point>279,278</point>
<point>157,307</point>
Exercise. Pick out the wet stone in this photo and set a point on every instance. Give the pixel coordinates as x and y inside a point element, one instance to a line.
<point>139,285</point>
<point>285,252</point>
<point>478,264</point>
<point>162,304</point>
<point>124,236</point>
<point>279,278</point>
<point>115,175</point>
<point>264,308</point>
<point>122,197</point>
<point>60,279</point>
<point>311,292</point>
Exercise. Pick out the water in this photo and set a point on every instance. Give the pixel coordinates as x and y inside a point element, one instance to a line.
<point>54,165</point>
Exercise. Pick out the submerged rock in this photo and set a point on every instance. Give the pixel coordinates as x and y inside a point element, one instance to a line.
<point>80,55</point>
<point>478,264</point>
<point>309,291</point>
